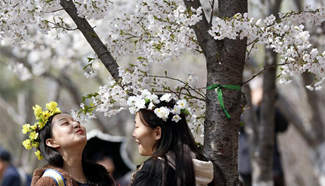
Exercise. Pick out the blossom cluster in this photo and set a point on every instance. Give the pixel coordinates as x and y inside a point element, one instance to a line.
<point>285,36</point>
<point>111,99</point>
<point>33,130</point>
<point>93,9</point>
<point>147,100</point>
<point>156,30</point>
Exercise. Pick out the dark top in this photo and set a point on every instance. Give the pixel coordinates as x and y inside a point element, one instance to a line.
<point>11,177</point>
<point>83,184</point>
<point>151,173</point>
<point>280,125</point>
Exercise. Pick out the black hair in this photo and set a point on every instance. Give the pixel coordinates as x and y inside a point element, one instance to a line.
<point>51,155</point>
<point>176,138</point>
<point>100,157</point>
<point>5,155</point>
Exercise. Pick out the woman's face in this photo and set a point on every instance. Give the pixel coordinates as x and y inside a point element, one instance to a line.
<point>67,132</point>
<point>145,137</point>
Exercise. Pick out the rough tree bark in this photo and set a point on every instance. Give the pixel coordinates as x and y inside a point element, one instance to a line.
<point>225,61</point>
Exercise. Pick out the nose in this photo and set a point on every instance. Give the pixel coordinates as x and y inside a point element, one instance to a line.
<point>76,124</point>
<point>133,134</point>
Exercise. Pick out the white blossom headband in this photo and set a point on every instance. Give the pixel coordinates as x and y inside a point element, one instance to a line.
<point>147,100</point>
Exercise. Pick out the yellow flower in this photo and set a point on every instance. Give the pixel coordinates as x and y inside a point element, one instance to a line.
<point>41,125</point>
<point>51,106</point>
<point>27,144</point>
<point>34,127</point>
<point>33,135</point>
<point>38,155</point>
<point>57,110</point>
<point>37,111</point>
<point>41,119</point>
<point>46,115</point>
<point>26,128</point>
<point>35,144</point>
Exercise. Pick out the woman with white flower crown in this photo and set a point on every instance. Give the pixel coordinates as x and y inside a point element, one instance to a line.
<point>161,132</point>
<point>61,140</point>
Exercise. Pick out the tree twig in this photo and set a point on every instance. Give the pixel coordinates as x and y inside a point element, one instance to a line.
<point>175,79</point>
<point>212,11</point>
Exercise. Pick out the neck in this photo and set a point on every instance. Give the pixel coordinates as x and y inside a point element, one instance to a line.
<point>73,164</point>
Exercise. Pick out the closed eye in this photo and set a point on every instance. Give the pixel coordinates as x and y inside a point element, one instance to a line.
<point>65,123</point>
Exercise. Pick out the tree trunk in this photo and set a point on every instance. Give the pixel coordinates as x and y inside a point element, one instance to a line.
<point>313,100</point>
<point>318,157</point>
<point>318,153</point>
<point>225,62</point>
<point>262,160</point>
<point>225,66</point>
<point>221,134</point>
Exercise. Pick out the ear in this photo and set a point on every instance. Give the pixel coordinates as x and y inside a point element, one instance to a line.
<point>51,143</point>
<point>157,133</point>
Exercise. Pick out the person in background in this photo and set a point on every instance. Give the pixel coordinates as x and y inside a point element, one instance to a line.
<point>110,152</point>
<point>9,175</point>
<point>244,161</point>
<point>108,163</point>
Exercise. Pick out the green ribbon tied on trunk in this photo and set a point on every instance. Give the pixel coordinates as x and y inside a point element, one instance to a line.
<point>218,89</point>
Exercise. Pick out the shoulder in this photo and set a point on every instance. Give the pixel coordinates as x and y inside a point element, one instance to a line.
<point>152,165</point>
<point>150,173</point>
<point>97,174</point>
<point>11,177</point>
<point>11,171</point>
<point>39,180</point>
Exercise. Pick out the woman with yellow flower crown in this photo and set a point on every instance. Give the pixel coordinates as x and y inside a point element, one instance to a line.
<point>61,140</point>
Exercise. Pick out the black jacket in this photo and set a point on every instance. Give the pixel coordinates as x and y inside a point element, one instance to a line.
<point>150,173</point>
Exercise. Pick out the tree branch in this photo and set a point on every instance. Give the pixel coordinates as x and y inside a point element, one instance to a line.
<point>298,3</point>
<point>201,28</point>
<point>212,11</point>
<point>93,39</point>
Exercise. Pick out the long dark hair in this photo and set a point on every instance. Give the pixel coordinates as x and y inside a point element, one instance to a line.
<point>51,155</point>
<point>175,138</point>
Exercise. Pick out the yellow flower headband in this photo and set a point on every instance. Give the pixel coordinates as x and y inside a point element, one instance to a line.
<point>33,130</point>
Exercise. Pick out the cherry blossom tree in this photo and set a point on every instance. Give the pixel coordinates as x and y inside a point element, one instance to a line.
<point>154,32</point>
